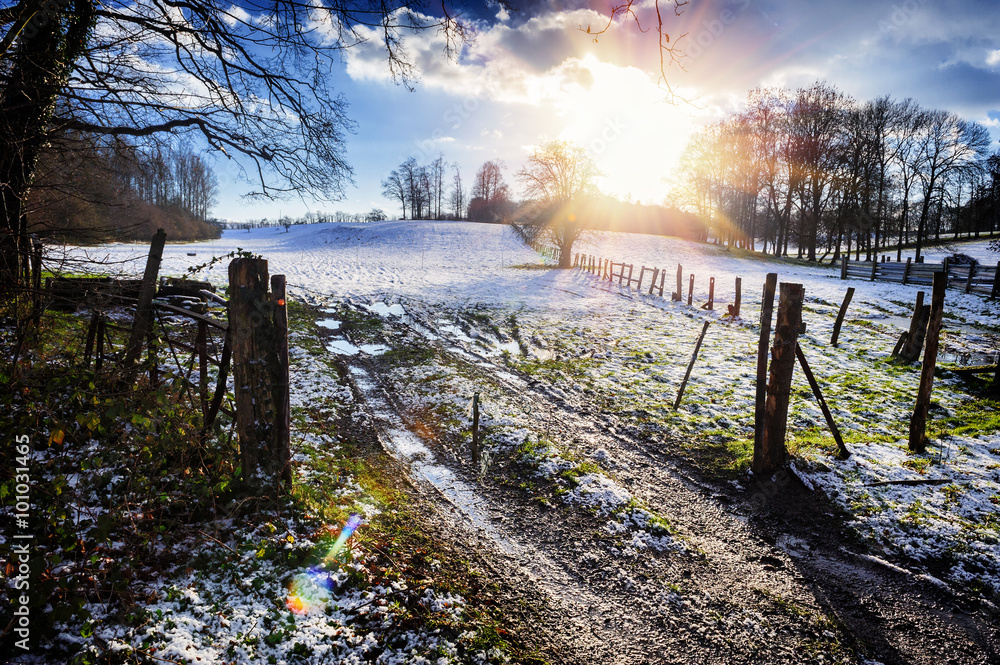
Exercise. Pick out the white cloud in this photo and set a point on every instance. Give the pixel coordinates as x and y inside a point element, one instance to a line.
<point>993,58</point>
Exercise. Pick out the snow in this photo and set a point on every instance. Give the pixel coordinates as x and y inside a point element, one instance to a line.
<point>632,349</point>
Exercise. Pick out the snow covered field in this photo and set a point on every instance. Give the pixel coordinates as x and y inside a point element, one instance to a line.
<point>630,352</point>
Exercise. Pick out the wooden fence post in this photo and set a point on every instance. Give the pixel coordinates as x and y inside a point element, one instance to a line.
<point>201,348</point>
<point>786,334</point>
<point>663,279</point>
<point>642,273</point>
<point>280,388</point>
<point>918,422</point>
<point>710,305</point>
<point>840,316</point>
<point>630,267</point>
<point>972,272</point>
<point>734,309</point>
<point>844,453</point>
<point>910,350</point>
<point>255,367</point>
<point>143,321</point>
<point>996,281</point>
<point>906,270</point>
<point>680,278</point>
<point>874,267</point>
<point>91,337</point>
<point>843,266</point>
<point>766,310</point>
<point>691,290</point>
<point>475,429</point>
<point>687,374</point>
<point>102,333</point>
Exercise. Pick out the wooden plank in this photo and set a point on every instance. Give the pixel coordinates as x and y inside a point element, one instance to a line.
<point>766,312</point>
<point>918,422</point>
<point>844,452</point>
<point>201,318</point>
<point>254,365</point>
<point>142,323</point>
<point>281,388</point>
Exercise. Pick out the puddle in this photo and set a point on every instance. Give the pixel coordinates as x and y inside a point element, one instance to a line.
<point>383,310</point>
<point>344,348</point>
<point>407,447</point>
<point>332,324</point>
<point>970,359</point>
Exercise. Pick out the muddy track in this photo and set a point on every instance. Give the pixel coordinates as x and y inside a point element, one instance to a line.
<point>758,580</point>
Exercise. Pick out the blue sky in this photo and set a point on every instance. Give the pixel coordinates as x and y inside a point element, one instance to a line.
<point>535,75</point>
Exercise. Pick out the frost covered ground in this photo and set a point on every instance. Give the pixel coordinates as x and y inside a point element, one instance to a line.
<point>476,287</point>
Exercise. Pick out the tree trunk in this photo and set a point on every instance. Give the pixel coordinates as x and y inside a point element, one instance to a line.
<point>43,54</point>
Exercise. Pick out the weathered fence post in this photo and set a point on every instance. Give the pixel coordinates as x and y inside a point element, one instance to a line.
<point>143,321</point>
<point>972,272</point>
<point>843,266</point>
<point>280,388</point>
<point>630,267</point>
<point>95,319</point>
<point>840,316</point>
<point>766,310</point>
<point>694,357</point>
<point>663,279</point>
<point>679,295</point>
<point>734,309</point>
<point>102,332</point>
<point>201,348</point>
<point>874,267</point>
<point>710,305</point>
<point>652,283</point>
<point>918,422</point>
<point>844,453</point>
<point>910,350</point>
<point>996,281</point>
<point>906,271</point>
<point>255,372</point>
<point>691,290</point>
<point>475,429</point>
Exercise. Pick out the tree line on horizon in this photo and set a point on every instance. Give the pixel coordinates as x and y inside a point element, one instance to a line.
<point>93,191</point>
<point>818,170</point>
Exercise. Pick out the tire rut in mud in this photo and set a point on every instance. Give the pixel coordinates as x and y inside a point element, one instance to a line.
<point>731,596</point>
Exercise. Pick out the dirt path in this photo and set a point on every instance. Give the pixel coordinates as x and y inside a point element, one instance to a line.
<point>764,573</point>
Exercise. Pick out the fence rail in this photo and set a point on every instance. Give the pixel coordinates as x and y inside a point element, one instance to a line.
<point>973,278</point>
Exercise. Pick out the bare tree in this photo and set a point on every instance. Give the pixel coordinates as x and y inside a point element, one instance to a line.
<point>457,194</point>
<point>250,81</point>
<point>490,194</point>
<point>558,177</point>
<point>394,187</point>
<point>948,144</point>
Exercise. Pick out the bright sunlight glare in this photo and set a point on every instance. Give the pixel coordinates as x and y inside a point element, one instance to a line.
<point>620,116</point>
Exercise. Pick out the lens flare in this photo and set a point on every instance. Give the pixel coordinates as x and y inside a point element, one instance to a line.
<point>310,590</point>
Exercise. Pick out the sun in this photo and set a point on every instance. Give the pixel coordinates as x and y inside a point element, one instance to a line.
<point>635,137</point>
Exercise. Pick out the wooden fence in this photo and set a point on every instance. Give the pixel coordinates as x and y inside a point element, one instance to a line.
<point>625,274</point>
<point>248,345</point>
<point>968,278</point>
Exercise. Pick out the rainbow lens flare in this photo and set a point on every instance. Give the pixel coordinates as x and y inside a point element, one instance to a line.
<point>311,589</point>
